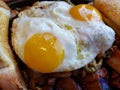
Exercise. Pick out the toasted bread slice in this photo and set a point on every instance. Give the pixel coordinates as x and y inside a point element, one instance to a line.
<point>111,12</point>
<point>10,76</point>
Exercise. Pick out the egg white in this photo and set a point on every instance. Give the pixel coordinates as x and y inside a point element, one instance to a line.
<point>82,41</point>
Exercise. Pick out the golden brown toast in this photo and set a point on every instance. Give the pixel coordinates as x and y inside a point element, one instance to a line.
<point>10,76</point>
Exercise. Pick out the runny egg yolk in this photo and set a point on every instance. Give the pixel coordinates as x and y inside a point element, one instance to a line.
<point>43,52</point>
<point>85,12</point>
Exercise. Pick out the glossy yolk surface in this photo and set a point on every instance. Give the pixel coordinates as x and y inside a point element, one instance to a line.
<point>43,52</point>
<point>85,12</point>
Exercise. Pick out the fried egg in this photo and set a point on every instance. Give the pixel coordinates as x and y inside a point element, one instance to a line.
<point>54,36</point>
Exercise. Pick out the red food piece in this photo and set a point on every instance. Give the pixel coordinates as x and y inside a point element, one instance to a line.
<point>67,84</point>
<point>115,80</point>
<point>47,87</point>
<point>89,81</point>
<point>114,60</point>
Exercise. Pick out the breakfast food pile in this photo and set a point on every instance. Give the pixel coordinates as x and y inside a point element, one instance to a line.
<point>55,45</point>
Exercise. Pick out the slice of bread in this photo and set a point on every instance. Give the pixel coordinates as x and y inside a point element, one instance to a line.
<point>10,76</point>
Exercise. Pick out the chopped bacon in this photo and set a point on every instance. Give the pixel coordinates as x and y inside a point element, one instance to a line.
<point>114,80</point>
<point>114,60</point>
<point>67,84</point>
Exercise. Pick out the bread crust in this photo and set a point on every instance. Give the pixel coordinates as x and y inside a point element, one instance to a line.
<point>3,5</point>
<point>10,76</point>
<point>110,10</point>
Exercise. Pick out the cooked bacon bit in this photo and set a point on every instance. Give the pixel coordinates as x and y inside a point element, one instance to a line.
<point>89,81</point>
<point>115,80</point>
<point>67,84</point>
<point>92,77</point>
<point>75,73</point>
<point>117,41</point>
<point>114,60</point>
<point>93,86</point>
<point>60,74</point>
<point>47,87</point>
<point>79,74</point>
<point>115,75</point>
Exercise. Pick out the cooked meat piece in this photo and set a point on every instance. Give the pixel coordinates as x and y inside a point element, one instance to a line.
<point>47,87</point>
<point>67,84</point>
<point>114,80</point>
<point>60,74</point>
<point>89,81</point>
<point>114,60</point>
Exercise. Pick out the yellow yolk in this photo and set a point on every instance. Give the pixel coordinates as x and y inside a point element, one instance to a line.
<point>85,12</point>
<point>43,52</point>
